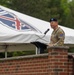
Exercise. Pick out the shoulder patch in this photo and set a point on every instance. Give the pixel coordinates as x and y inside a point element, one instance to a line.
<point>61,35</point>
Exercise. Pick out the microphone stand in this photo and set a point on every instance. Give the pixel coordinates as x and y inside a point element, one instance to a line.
<point>40,46</point>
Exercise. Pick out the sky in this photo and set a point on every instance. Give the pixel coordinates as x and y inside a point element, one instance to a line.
<point>69,0</point>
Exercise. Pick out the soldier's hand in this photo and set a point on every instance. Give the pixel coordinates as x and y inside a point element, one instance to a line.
<point>51,45</point>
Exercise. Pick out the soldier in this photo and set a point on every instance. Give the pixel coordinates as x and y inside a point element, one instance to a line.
<point>58,35</point>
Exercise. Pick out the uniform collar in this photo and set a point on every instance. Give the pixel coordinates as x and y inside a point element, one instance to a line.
<point>56,28</point>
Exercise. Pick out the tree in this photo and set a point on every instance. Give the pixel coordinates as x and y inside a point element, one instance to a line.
<point>5,2</point>
<point>35,8</point>
<point>55,11</point>
<point>71,6</point>
<point>66,14</point>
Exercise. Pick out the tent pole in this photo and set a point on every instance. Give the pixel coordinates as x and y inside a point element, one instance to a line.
<point>6,51</point>
<point>37,50</point>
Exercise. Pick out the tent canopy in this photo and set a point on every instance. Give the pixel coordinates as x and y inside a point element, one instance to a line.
<point>15,29</point>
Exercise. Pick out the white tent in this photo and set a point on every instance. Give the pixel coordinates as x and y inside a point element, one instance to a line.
<point>17,28</point>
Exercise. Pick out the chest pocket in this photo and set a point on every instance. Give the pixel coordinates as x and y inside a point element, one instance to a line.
<point>54,37</point>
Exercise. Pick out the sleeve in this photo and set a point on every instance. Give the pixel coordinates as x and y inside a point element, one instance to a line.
<point>60,37</point>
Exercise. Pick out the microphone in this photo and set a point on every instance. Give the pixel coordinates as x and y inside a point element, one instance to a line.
<point>46,31</point>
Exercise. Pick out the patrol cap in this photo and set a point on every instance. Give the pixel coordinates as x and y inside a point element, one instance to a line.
<point>53,19</point>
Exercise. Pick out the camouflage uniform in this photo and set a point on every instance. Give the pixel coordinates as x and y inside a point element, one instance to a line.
<point>57,37</point>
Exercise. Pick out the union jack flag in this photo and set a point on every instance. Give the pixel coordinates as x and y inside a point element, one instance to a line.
<point>11,20</point>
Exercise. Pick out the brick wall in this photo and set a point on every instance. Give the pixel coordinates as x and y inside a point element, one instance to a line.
<point>70,65</point>
<point>59,61</point>
<point>55,62</point>
<point>27,65</point>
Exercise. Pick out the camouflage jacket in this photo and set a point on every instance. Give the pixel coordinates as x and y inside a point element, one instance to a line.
<point>57,37</point>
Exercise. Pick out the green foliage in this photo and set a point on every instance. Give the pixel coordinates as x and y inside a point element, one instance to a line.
<point>66,14</point>
<point>36,8</point>
<point>5,2</point>
<point>17,53</point>
<point>71,50</point>
<point>54,6</point>
<point>21,53</point>
<point>2,54</point>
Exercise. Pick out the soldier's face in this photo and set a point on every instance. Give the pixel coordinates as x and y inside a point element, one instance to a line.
<point>54,24</point>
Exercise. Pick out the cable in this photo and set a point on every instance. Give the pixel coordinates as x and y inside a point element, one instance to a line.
<point>43,35</point>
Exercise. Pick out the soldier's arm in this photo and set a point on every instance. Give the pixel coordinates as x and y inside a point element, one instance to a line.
<point>61,37</point>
